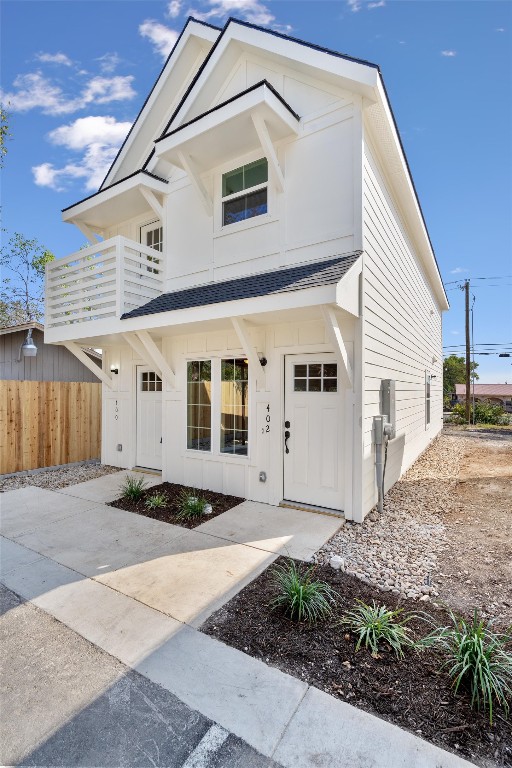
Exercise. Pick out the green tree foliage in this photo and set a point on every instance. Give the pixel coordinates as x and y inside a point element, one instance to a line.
<point>23,263</point>
<point>485,413</point>
<point>454,372</point>
<point>4,134</point>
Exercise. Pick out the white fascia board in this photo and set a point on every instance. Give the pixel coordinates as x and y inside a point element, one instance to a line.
<point>356,76</point>
<point>81,209</point>
<point>425,245</point>
<point>247,103</point>
<point>259,305</point>
<point>193,29</point>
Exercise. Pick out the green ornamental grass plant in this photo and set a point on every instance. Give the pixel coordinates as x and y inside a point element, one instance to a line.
<point>374,624</point>
<point>477,658</point>
<point>132,488</point>
<point>191,505</point>
<point>302,597</point>
<point>156,501</point>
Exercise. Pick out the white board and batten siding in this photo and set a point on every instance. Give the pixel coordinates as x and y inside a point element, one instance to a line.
<point>402,332</point>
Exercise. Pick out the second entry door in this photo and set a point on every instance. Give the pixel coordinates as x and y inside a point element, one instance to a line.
<point>313,412</point>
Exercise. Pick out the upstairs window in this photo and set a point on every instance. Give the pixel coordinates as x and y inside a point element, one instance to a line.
<point>428,379</point>
<point>244,192</point>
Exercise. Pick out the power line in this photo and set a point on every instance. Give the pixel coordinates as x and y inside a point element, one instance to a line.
<point>497,277</point>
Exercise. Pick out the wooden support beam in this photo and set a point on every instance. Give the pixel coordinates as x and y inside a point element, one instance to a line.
<point>157,357</point>
<point>195,178</point>
<point>86,232</point>
<point>150,197</point>
<point>334,332</point>
<point>268,149</point>
<point>86,360</point>
<point>242,332</point>
<point>141,351</point>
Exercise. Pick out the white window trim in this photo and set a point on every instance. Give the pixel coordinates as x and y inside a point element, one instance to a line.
<point>215,454</point>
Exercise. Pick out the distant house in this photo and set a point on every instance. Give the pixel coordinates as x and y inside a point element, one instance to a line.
<point>260,278</point>
<point>501,394</point>
<point>50,401</point>
<point>51,363</point>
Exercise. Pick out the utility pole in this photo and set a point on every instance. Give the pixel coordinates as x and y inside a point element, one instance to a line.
<point>468,358</point>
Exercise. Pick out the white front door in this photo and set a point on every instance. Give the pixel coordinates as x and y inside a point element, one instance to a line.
<point>313,423</point>
<point>149,419</point>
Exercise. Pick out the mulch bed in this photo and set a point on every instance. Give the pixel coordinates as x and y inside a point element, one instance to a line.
<point>219,501</point>
<point>411,692</point>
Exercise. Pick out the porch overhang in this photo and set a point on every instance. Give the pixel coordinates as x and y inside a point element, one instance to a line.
<point>286,306</point>
<point>229,130</point>
<point>133,196</point>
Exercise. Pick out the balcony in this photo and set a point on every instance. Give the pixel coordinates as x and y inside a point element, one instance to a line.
<point>100,282</point>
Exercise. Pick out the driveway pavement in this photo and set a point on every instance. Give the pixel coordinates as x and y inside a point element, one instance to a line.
<point>137,588</point>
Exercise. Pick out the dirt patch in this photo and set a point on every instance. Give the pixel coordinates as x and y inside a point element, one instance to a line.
<point>475,569</point>
<point>219,501</point>
<point>411,693</point>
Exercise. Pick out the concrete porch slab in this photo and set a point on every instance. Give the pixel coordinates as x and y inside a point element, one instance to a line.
<point>190,577</point>
<point>290,532</point>
<point>29,508</point>
<point>12,556</point>
<point>101,539</point>
<point>106,488</point>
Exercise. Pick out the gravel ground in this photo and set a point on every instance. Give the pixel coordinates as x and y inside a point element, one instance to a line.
<point>398,551</point>
<point>58,478</point>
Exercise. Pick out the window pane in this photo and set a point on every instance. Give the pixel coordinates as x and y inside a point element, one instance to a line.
<point>315,385</point>
<point>233,182</point>
<point>255,173</point>
<point>199,405</point>
<point>330,385</point>
<point>330,370</point>
<point>315,369</point>
<point>234,421</point>
<point>227,370</point>
<point>245,207</point>
<point>300,385</point>
<point>301,371</point>
<point>241,369</point>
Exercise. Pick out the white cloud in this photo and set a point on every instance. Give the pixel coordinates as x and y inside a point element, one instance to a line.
<point>54,58</point>
<point>108,62</point>
<point>174,8</point>
<point>449,54</point>
<point>455,333</point>
<point>35,91</point>
<point>98,137</point>
<point>90,130</point>
<point>458,270</point>
<point>161,37</point>
<point>357,5</point>
<point>251,10</point>
<point>500,29</point>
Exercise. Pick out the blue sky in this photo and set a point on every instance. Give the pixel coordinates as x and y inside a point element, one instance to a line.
<point>74,75</point>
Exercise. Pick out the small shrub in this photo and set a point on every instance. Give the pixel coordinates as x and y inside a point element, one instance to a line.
<point>132,488</point>
<point>302,597</point>
<point>156,501</point>
<point>191,505</point>
<point>485,413</point>
<point>375,624</point>
<point>477,658</point>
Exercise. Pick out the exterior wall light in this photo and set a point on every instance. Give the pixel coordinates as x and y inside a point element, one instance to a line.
<point>263,361</point>
<point>113,369</point>
<point>28,348</point>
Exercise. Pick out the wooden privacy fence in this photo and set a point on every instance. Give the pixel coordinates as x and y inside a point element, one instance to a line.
<point>44,423</point>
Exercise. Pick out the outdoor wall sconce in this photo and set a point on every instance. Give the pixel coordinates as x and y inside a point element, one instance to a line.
<point>263,361</point>
<point>113,369</point>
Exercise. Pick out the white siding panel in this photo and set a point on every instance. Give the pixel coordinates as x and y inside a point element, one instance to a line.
<point>402,332</point>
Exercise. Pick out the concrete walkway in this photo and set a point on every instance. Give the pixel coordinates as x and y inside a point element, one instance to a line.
<point>136,588</point>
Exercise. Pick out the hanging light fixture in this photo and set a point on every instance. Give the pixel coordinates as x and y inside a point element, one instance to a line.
<point>28,348</point>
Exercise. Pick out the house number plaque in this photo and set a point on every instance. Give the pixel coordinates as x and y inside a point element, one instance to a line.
<point>266,428</point>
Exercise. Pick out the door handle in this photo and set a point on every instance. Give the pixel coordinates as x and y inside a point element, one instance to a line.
<point>286,438</point>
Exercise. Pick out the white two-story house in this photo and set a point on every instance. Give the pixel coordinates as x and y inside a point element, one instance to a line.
<point>259,265</point>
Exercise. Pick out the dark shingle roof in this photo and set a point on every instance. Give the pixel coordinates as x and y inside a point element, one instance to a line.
<point>277,281</point>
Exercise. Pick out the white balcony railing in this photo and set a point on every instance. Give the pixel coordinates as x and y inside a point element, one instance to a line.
<point>102,281</point>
